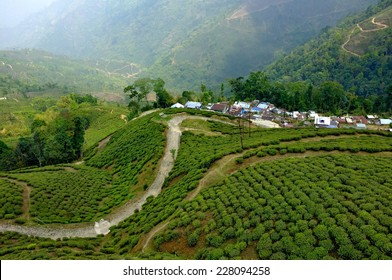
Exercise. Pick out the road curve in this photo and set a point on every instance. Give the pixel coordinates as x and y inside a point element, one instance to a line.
<point>86,230</point>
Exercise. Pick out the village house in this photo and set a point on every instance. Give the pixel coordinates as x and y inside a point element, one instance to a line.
<point>263,106</point>
<point>312,115</point>
<point>322,121</point>
<point>360,119</point>
<point>243,105</point>
<point>221,107</point>
<point>234,111</point>
<point>193,105</point>
<point>361,126</point>
<point>178,105</point>
<point>385,121</point>
<point>256,110</point>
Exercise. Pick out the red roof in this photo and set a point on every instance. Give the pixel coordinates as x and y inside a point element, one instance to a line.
<point>219,107</point>
<point>360,119</point>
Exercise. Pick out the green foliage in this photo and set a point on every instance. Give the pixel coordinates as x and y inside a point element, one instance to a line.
<point>315,207</point>
<point>223,40</point>
<point>312,192</point>
<point>359,61</point>
<point>58,134</point>
<point>129,151</point>
<point>68,196</point>
<point>139,90</point>
<point>5,156</point>
<point>326,96</point>
<point>11,200</point>
<point>32,72</point>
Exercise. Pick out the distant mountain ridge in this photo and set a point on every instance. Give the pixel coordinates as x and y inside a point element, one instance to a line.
<point>183,42</point>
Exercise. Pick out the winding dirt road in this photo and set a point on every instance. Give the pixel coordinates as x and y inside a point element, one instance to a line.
<point>380,26</point>
<point>87,230</point>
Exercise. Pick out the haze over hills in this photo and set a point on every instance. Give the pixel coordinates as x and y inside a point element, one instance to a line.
<point>186,183</point>
<point>183,43</point>
<point>31,71</point>
<point>357,54</point>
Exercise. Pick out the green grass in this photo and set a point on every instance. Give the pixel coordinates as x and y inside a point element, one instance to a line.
<point>105,121</point>
<point>17,115</point>
<point>15,119</point>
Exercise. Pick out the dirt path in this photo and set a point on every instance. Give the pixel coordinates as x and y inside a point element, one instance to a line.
<point>344,46</point>
<point>227,166</point>
<point>25,195</point>
<point>26,201</point>
<point>87,229</point>
<point>215,173</point>
<point>167,163</point>
<point>151,234</point>
<point>379,24</point>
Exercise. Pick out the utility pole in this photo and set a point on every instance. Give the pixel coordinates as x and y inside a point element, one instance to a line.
<point>241,136</point>
<point>249,123</point>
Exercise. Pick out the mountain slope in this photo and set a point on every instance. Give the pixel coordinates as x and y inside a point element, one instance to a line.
<point>37,71</point>
<point>184,42</point>
<point>357,54</point>
<point>288,196</point>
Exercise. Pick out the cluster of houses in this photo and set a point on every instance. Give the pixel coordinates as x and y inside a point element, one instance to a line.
<point>358,122</point>
<point>267,115</point>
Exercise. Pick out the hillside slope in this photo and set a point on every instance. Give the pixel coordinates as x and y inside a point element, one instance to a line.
<point>182,42</point>
<point>357,54</point>
<point>27,71</point>
<point>290,194</point>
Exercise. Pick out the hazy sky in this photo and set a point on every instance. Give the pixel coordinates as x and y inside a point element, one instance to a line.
<point>15,11</point>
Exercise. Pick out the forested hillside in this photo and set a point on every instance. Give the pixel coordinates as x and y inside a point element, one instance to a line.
<point>36,72</point>
<point>183,42</point>
<point>357,54</point>
<point>81,178</point>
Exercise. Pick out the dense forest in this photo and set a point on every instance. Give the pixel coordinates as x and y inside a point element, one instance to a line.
<point>326,97</point>
<point>33,72</point>
<point>57,135</point>
<point>179,41</point>
<point>357,54</point>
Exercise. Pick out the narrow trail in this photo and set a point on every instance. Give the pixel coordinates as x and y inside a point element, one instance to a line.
<point>149,236</point>
<point>86,230</point>
<point>224,166</point>
<point>379,24</point>
<point>25,195</point>
<point>344,46</point>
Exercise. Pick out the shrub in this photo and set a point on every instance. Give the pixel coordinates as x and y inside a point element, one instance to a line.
<point>193,238</point>
<point>214,240</point>
<point>283,151</point>
<point>272,152</point>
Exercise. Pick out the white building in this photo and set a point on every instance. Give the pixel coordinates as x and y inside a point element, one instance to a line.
<point>322,121</point>
<point>385,121</point>
<point>193,105</point>
<point>178,105</point>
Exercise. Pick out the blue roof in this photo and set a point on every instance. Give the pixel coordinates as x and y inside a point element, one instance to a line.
<point>263,105</point>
